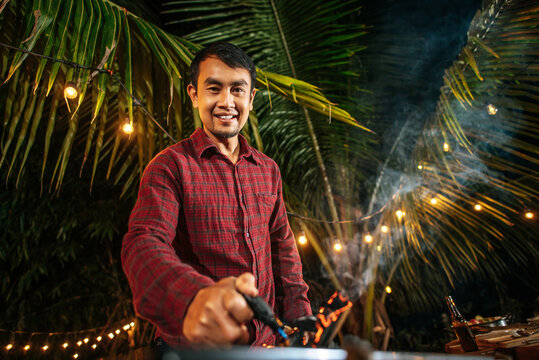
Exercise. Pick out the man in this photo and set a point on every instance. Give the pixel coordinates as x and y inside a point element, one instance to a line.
<point>210,222</point>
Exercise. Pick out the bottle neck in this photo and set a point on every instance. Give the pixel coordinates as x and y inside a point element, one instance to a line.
<point>454,311</point>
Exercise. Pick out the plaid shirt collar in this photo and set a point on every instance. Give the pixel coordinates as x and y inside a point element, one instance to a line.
<point>202,144</point>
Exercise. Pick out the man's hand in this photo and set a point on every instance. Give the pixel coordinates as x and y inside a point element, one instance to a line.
<point>219,313</point>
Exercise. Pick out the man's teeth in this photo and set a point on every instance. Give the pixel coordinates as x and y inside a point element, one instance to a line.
<point>225,117</point>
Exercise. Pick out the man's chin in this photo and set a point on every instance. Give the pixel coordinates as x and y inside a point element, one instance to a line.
<point>225,134</point>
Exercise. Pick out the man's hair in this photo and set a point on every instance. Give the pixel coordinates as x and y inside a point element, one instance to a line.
<point>230,54</point>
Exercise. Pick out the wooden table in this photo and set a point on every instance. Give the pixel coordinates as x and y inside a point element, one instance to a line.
<point>504,341</point>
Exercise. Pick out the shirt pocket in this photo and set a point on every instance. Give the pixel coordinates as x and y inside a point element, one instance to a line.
<point>265,203</point>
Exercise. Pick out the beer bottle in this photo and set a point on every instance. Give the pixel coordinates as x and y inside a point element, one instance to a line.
<point>458,323</point>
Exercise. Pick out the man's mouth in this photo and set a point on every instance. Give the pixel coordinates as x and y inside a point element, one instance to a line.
<point>226,117</point>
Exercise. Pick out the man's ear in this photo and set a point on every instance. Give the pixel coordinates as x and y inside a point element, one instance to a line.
<point>252,98</point>
<point>192,91</point>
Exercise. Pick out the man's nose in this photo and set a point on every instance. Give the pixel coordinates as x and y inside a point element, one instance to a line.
<point>226,99</point>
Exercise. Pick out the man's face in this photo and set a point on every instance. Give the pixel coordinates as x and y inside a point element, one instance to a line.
<point>223,98</point>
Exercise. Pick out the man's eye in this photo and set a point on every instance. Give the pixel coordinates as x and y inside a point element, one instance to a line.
<point>213,88</point>
<point>238,90</point>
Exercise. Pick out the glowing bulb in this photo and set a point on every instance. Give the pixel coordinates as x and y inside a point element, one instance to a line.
<point>337,247</point>
<point>86,340</point>
<point>117,331</point>
<point>529,215</point>
<point>70,90</point>
<point>65,345</point>
<point>433,201</point>
<point>384,229</point>
<point>26,347</point>
<point>45,347</point>
<point>132,324</point>
<point>94,346</point>
<point>400,214</point>
<point>302,239</point>
<point>446,147</point>
<point>388,289</point>
<point>478,207</point>
<point>111,335</point>
<point>491,109</point>
<point>420,167</point>
<point>368,238</point>
<point>126,327</point>
<point>99,338</point>
<point>128,127</point>
<point>79,343</point>
<point>379,248</point>
<point>75,356</point>
<point>9,346</point>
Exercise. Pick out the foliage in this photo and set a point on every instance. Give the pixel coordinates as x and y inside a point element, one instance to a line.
<point>490,160</point>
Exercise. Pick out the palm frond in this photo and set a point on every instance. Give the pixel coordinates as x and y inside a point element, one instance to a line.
<point>474,172</point>
<point>101,35</point>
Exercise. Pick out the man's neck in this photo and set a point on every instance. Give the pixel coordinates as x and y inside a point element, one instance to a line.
<point>230,147</point>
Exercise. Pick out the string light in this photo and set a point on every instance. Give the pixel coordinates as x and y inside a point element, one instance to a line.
<point>132,323</point>
<point>99,338</point>
<point>420,167</point>
<point>529,215</point>
<point>27,347</point>
<point>491,109</point>
<point>379,248</point>
<point>128,127</point>
<point>86,340</point>
<point>126,327</point>
<point>71,91</point>
<point>478,207</point>
<point>446,147</point>
<point>75,356</point>
<point>337,247</point>
<point>94,346</point>
<point>45,347</point>
<point>65,345</point>
<point>388,289</point>
<point>433,201</point>
<point>384,228</point>
<point>302,239</point>
<point>400,214</point>
<point>117,331</point>
<point>9,346</point>
<point>79,343</point>
<point>111,335</point>
<point>368,238</point>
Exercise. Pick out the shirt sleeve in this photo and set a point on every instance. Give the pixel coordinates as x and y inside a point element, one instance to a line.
<point>162,285</point>
<point>290,290</point>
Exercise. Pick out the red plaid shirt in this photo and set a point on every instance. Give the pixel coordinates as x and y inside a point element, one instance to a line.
<point>200,218</point>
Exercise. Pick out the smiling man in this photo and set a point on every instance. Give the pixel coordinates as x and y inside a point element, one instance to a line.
<point>210,222</point>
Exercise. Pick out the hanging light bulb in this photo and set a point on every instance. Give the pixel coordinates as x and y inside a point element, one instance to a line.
<point>71,91</point>
<point>26,348</point>
<point>9,346</point>
<point>99,338</point>
<point>128,127</point>
<point>379,248</point>
<point>111,335</point>
<point>302,239</point>
<point>75,356</point>
<point>45,347</point>
<point>433,201</point>
<point>79,343</point>
<point>400,214</point>
<point>491,109</point>
<point>478,207</point>
<point>86,340</point>
<point>132,323</point>
<point>94,346</point>
<point>388,289</point>
<point>126,327</point>
<point>117,331</point>
<point>420,167</point>
<point>368,238</point>
<point>529,215</point>
<point>65,345</point>
<point>446,147</point>
<point>337,247</point>
<point>384,229</point>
